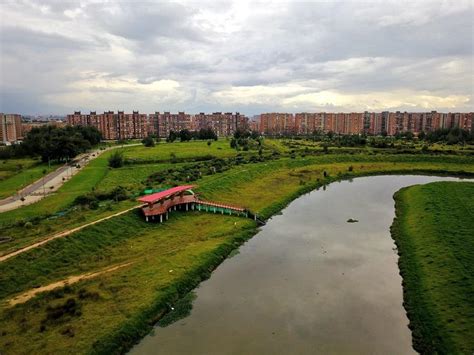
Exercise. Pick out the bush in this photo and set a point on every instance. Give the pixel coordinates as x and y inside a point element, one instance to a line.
<point>116,160</point>
<point>28,225</point>
<point>148,142</point>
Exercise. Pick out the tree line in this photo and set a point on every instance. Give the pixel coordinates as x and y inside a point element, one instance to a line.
<point>186,135</point>
<point>54,143</point>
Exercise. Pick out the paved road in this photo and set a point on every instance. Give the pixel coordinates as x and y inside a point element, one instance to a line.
<point>53,181</point>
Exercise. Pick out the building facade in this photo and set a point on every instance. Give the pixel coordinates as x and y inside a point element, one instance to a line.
<point>121,125</point>
<point>10,128</point>
<point>373,123</point>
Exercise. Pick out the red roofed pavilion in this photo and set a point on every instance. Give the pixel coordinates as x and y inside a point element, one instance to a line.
<point>183,197</point>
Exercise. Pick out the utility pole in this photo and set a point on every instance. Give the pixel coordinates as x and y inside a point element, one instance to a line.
<point>44,189</point>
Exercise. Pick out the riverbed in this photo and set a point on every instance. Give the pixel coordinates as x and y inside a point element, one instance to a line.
<point>309,282</point>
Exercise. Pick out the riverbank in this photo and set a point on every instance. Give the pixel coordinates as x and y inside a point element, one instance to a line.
<point>433,231</point>
<point>169,259</point>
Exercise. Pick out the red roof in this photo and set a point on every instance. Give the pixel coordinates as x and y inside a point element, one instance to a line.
<point>164,194</point>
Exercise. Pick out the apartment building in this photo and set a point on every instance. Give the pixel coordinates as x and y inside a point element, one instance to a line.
<point>375,123</point>
<point>10,127</point>
<point>121,125</point>
<point>113,125</point>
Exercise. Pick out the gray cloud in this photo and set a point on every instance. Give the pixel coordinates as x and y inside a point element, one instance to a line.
<point>207,56</point>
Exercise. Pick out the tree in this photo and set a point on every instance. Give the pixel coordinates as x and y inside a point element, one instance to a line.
<point>172,137</point>
<point>60,144</point>
<point>185,135</point>
<point>148,141</point>
<point>205,133</point>
<point>116,160</point>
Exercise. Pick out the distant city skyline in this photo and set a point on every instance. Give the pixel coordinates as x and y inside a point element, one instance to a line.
<point>345,56</point>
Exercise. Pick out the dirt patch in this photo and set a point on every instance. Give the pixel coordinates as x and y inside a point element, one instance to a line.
<point>22,298</point>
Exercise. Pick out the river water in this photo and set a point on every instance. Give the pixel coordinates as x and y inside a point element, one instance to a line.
<point>308,283</point>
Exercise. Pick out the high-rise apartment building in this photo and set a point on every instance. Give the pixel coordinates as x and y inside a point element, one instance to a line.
<point>10,128</point>
<point>375,123</point>
<point>122,125</point>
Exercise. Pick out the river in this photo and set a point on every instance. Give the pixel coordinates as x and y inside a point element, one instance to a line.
<point>308,283</point>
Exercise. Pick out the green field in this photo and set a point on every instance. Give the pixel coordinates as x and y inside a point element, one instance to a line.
<point>182,150</point>
<point>123,304</point>
<point>16,174</point>
<point>434,233</point>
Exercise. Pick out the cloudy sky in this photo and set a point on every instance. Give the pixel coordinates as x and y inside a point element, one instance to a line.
<point>252,57</point>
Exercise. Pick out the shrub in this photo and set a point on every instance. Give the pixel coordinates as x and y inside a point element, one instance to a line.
<point>55,313</point>
<point>116,160</point>
<point>148,142</point>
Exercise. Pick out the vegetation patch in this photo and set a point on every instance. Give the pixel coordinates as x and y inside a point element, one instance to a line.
<point>181,309</point>
<point>433,231</point>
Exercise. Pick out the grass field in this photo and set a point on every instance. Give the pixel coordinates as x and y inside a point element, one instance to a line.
<point>182,150</point>
<point>434,233</point>
<point>121,305</point>
<point>16,174</point>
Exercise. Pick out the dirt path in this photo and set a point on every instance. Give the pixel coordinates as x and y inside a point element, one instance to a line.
<point>22,298</point>
<point>62,234</point>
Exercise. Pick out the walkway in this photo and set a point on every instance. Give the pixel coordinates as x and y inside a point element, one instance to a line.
<point>62,234</point>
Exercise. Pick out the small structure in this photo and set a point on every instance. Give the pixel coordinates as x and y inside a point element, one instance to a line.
<point>159,204</point>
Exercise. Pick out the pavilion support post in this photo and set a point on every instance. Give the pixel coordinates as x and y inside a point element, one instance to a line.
<point>175,207</point>
<point>146,218</point>
<point>222,210</point>
<point>186,207</point>
<point>166,215</point>
<point>161,218</point>
<point>255,217</point>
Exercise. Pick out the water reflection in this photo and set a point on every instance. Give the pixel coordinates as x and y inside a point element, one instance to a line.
<point>308,282</point>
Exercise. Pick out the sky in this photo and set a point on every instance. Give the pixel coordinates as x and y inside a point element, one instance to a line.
<point>57,57</point>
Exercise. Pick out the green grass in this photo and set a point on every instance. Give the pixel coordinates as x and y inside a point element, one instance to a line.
<point>16,174</point>
<point>132,176</point>
<point>192,244</point>
<point>183,150</point>
<point>434,234</point>
<point>79,184</point>
<point>39,230</point>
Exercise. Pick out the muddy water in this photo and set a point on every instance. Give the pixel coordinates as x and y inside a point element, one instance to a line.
<point>308,283</point>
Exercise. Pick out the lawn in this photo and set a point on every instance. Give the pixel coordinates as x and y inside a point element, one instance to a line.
<point>434,233</point>
<point>16,174</point>
<point>163,151</point>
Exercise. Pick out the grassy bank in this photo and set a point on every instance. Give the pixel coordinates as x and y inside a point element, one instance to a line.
<point>109,313</point>
<point>433,231</point>
<point>166,261</point>
<point>16,174</point>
